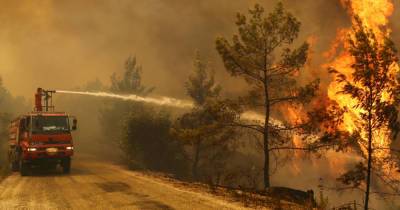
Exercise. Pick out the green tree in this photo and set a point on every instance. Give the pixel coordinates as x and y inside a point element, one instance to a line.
<point>201,84</point>
<point>373,85</point>
<point>131,81</point>
<point>9,106</point>
<point>201,129</point>
<point>140,130</point>
<point>114,112</point>
<point>261,54</point>
<point>209,138</point>
<point>147,142</point>
<point>4,120</point>
<point>5,97</point>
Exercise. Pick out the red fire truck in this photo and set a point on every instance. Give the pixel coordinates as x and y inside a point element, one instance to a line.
<point>42,137</point>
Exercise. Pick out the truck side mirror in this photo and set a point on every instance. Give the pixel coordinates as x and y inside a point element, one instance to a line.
<point>74,124</point>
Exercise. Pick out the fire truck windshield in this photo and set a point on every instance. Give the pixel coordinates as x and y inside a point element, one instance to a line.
<point>50,124</point>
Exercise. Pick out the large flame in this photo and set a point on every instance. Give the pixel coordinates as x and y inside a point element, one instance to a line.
<point>374,14</point>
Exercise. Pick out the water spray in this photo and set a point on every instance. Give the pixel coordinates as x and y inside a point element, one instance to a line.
<point>162,101</point>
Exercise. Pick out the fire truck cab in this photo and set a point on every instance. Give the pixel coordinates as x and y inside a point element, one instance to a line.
<point>41,137</point>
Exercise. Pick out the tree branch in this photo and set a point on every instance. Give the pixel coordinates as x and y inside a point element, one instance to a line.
<point>282,99</point>
<point>310,148</point>
<point>257,128</point>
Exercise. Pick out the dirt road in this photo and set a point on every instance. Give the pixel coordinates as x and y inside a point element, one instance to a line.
<point>95,184</point>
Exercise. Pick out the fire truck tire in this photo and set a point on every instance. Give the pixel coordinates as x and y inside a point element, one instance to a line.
<point>66,164</point>
<point>23,169</point>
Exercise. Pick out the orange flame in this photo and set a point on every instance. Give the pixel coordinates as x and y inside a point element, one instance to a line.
<point>374,14</point>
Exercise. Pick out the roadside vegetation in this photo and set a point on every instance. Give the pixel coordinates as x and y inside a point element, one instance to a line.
<point>9,107</point>
<point>4,120</point>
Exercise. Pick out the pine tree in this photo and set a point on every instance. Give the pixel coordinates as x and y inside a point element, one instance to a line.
<point>261,54</point>
<point>201,128</point>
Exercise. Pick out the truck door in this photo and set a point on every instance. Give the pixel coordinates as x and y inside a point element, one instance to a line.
<point>22,132</point>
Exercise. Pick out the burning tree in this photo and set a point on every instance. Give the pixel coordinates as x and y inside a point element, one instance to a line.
<point>253,55</point>
<point>371,86</point>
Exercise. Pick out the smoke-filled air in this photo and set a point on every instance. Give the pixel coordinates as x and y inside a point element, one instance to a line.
<point>212,104</point>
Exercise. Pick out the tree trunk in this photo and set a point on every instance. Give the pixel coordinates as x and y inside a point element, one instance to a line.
<point>266,160</point>
<point>267,183</point>
<point>266,142</point>
<point>196,159</point>
<point>369,161</point>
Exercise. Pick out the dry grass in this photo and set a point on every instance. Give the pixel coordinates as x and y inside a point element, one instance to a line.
<point>249,199</point>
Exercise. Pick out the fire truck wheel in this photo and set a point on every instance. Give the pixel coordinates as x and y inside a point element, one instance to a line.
<point>23,168</point>
<point>66,164</point>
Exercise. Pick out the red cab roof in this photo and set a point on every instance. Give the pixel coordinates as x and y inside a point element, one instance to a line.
<point>47,113</point>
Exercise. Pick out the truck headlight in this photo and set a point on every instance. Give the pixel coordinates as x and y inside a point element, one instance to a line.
<point>32,149</point>
<point>69,148</point>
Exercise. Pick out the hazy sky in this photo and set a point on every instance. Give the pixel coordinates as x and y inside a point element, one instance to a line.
<point>66,43</point>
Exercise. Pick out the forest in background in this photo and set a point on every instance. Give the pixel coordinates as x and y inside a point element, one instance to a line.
<point>207,143</point>
<point>10,107</point>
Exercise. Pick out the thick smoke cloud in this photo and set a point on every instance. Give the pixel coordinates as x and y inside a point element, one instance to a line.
<point>63,44</point>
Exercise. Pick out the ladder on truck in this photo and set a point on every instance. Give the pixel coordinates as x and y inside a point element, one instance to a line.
<point>44,100</point>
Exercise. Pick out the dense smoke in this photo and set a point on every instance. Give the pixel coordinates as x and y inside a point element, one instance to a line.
<point>74,40</point>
